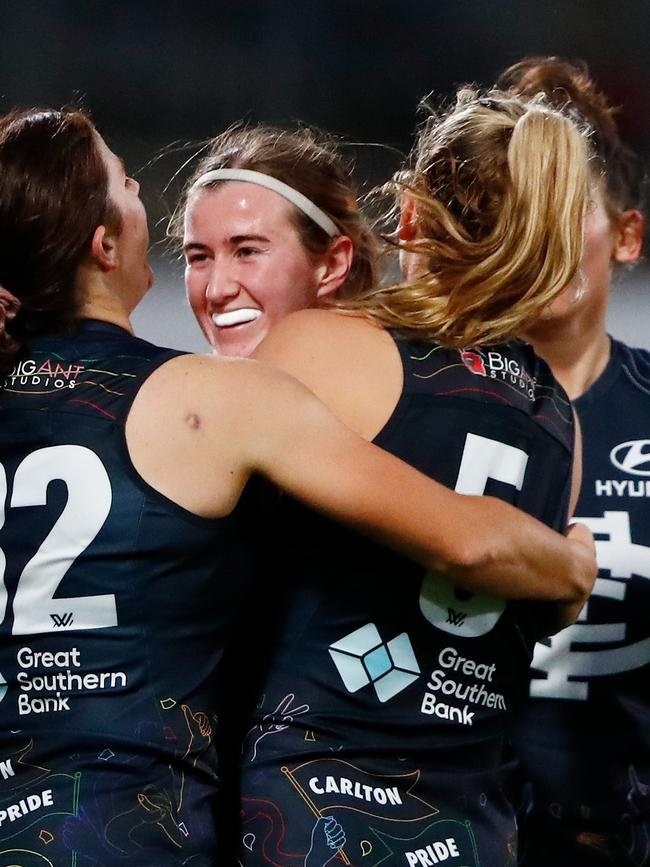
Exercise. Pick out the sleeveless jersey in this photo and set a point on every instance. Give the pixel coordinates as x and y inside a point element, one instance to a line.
<point>115,604</point>
<point>585,736</point>
<point>379,736</point>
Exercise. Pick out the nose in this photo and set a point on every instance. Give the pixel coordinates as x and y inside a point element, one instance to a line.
<point>221,286</point>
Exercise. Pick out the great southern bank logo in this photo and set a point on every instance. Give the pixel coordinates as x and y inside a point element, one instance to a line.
<point>3,687</point>
<point>632,457</point>
<point>362,658</point>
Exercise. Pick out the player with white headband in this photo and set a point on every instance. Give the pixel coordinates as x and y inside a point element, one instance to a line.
<point>270,224</point>
<point>294,196</point>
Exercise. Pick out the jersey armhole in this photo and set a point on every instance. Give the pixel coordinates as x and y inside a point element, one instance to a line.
<point>395,419</point>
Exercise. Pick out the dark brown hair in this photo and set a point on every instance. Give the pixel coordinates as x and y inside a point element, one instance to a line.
<point>53,195</point>
<point>569,85</point>
<point>310,162</point>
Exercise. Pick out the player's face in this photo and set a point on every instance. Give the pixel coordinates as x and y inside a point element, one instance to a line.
<point>246,267</point>
<point>133,241</point>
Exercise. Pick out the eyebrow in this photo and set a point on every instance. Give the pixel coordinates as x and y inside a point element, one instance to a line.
<point>234,240</point>
<point>194,245</point>
<point>242,239</point>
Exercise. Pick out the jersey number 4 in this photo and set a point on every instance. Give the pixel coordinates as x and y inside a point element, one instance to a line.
<point>444,605</point>
<point>89,500</point>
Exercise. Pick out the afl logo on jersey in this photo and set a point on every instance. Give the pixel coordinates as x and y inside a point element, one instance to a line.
<point>632,457</point>
<point>473,362</point>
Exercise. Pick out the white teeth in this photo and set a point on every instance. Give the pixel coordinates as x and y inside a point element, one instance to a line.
<point>236,317</point>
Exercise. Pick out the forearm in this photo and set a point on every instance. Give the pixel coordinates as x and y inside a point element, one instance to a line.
<point>487,545</point>
<point>524,558</point>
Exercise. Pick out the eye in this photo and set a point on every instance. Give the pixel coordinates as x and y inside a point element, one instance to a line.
<point>196,258</point>
<point>246,252</point>
<point>132,184</point>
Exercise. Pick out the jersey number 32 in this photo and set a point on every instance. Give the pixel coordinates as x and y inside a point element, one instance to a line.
<point>35,607</point>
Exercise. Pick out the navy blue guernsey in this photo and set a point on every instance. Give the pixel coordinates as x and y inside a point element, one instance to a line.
<point>585,736</point>
<point>115,607</point>
<point>380,736</point>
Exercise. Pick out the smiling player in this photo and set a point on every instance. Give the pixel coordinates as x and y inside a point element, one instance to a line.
<point>270,224</point>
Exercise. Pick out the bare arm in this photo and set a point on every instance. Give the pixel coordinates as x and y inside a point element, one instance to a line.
<point>488,545</point>
<point>576,481</point>
<point>568,612</point>
<point>317,347</point>
<point>224,421</point>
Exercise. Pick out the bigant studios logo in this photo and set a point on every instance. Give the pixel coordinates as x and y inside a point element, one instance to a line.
<point>493,364</point>
<point>362,657</point>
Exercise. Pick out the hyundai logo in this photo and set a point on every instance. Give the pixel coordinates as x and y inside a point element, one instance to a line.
<point>632,457</point>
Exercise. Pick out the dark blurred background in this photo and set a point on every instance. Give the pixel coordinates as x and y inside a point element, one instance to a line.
<point>161,75</point>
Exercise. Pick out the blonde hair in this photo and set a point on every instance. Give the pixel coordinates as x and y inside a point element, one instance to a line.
<point>499,188</point>
<point>569,86</point>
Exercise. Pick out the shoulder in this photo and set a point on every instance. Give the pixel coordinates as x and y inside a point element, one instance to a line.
<point>538,371</point>
<point>199,424</point>
<point>307,331</point>
<point>635,362</point>
<point>320,346</point>
<point>349,362</point>
<point>213,386</point>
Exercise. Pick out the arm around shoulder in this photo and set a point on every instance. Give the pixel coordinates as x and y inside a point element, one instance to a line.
<point>488,545</point>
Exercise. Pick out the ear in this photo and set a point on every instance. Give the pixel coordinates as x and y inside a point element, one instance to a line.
<point>629,237</point>
<point>104,249</point>
<point>337,262</point>
<point>408,219</point>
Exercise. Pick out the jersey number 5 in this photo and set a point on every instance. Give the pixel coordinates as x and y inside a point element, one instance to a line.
<point>444,605</point>
<point>89,501</point>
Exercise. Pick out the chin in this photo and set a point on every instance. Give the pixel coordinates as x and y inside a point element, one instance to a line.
<point>242,348</point>
<point>234,350</point>
<point>240,345</point>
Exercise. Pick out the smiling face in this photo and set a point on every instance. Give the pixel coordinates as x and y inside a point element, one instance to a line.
<point>246,267</point>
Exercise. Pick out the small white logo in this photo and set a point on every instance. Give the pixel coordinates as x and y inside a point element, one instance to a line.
<point>362,658</point>
<point>632,457</point>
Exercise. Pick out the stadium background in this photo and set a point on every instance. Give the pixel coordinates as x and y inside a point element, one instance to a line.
<point>159,75</point>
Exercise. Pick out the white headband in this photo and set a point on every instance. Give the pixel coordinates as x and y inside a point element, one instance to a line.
<point>301,202</point>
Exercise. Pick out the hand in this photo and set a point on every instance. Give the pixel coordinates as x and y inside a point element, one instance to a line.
<point>277,721</point>
<point>583,547</point>
<point>581,534</point>
<point>327,838</point>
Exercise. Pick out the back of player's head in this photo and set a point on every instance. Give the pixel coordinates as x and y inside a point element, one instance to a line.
<point>493,207</point>
<point>53,195</point>
<point>569,85</point>
<point>308,161</point>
